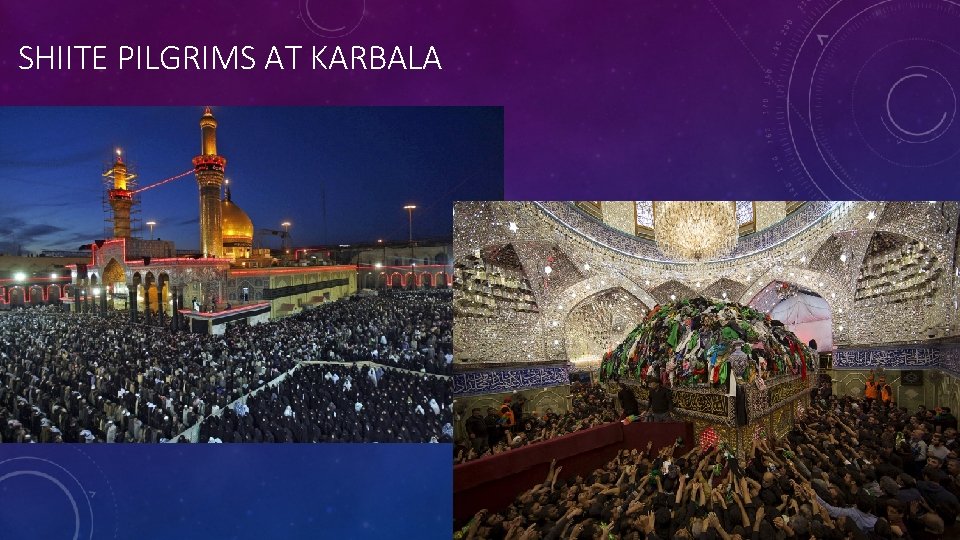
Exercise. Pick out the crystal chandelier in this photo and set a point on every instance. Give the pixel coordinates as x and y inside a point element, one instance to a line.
<point>695,230</point>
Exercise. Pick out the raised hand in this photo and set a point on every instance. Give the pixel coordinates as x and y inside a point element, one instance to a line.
<point>648,525</point>
<point>530,533</point>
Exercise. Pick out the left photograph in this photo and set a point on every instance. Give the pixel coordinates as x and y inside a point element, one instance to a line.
<point>233,274</point>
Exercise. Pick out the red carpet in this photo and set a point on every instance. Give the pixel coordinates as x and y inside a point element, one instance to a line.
<point>493,482</point>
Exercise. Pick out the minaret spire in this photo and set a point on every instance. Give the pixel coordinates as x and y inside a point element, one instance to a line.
<point>208,130</point>
<point>209,167</point>
<point>120,196</point>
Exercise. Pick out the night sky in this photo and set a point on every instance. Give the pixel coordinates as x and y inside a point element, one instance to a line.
<point>281,162</point>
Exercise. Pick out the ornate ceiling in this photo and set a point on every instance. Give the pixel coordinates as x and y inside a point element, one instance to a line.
<point>839,251</point>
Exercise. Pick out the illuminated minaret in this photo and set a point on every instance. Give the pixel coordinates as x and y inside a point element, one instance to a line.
<point>120,196</point>
<point>208,167</point>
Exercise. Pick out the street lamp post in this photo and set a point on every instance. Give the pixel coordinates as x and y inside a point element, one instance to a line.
<point>151,224</point>
<point>410,208</point>
<point>286,237</point>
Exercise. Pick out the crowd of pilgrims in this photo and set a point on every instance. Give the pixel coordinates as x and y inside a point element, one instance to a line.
<point>325,402</point>
<point>70,377</point>
<point>849,469</point>
<point>511,427</point>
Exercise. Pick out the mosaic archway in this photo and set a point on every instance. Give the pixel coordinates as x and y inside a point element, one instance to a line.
<point>113,273</point>
<point>591,286</point>
<point>600,322</point>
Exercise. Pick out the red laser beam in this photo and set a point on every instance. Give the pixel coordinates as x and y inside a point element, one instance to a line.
<point>164,181</point>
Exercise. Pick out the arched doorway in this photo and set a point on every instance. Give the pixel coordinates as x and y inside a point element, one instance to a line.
<point>135,296</point>
<point>367,280</point>
<point>36,295</point>
<point>163,294</point>
<point>114,279</point>
<point>16,296</point>
<point>54,294</point>
<point>150,295</point>
<point>600,322</point>
<point>801,310</point>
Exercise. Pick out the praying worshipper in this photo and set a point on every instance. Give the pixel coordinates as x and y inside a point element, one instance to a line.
<point>834,476</point>
<point>99,377</point>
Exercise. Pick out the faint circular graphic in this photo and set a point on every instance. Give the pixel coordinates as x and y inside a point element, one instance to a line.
<point>34,470</point>
<point>918,84</point>
<point>864,97</point>
<point>56,499</point>
<point>332,18</point>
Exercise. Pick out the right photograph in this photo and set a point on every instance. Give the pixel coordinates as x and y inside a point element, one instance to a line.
<point>671,368</point>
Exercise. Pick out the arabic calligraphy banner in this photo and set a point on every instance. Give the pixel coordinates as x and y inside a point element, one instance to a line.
<point>944,357</point>
<point>509,379</point>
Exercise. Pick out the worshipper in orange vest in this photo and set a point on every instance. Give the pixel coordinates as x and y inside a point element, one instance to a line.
<point>870,389</point>
<point>886,391</point>
<point>507,419</point>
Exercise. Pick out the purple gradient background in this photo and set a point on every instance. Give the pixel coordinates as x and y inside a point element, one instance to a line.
<point>603,100</point>
<point>637,99</point>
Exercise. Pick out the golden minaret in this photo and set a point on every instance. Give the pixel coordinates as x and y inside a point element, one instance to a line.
<point>209,167</point>
<point>120,196</point>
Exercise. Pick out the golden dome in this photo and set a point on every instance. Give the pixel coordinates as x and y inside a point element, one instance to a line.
<point>237,226</point>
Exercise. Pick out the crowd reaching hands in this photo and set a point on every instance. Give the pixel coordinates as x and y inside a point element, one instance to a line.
<point>848,469</point>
